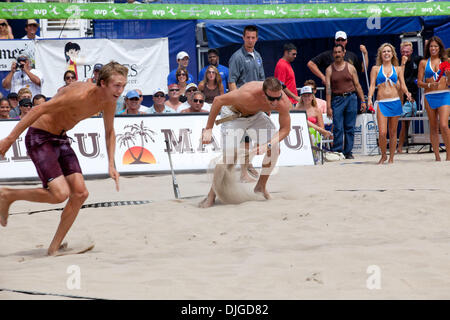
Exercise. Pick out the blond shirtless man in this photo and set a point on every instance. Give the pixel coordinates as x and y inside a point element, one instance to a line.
<point>248,109</point>
<point>49,147</point>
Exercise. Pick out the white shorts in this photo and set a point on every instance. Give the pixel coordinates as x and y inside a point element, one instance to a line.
<point>258,127</point>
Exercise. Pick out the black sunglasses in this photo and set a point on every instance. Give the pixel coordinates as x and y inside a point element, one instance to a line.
<point>340,39</point>
<point>68,78</point>
<point>3,24</point>
<point>198,100</point>
<point>134,99</point>
<point>273,98</point>
<point>174,90</point>
<point>159,95</point>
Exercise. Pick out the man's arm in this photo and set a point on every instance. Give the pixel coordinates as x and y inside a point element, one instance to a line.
<point>110,138</point>
<point>34,78</point>
<point>366,56</point>
<point>6,83</point>
<point>358,87</point>
<point>315,69</point>
<point>328,91</point>
<point>234,72</point>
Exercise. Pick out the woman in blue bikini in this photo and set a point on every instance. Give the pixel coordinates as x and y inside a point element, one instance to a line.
<point>437,94</point>
<point>387,77</point>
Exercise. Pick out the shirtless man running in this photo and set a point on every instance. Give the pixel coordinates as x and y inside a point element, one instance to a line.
<point>49,147</point>
<point>244,110</point>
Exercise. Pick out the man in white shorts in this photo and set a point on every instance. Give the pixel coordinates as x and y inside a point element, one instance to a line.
<point>247,109</point>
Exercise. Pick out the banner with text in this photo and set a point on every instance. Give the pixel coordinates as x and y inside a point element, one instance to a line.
<point>141,148</point>
<point>52,10</point>
<point>147,61</point>
<point>10,50</point>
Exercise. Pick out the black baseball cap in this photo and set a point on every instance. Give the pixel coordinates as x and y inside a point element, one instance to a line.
<point>97,66</point>
<point>12,95</point>
<point>25,103</point>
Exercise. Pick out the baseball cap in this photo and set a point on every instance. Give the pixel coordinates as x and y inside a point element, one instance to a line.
<point>25,102</point>
<point>306,89</point>
<point>97,66</point>
<point>32,21</point>
<point>132,94</point>
<point>12,95</point>
<point>182,55</point>
<point>191,85</point>
<point>340,34</point>
<point>158,90</point>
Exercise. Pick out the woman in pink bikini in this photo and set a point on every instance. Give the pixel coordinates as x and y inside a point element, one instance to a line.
<point>314,115</point>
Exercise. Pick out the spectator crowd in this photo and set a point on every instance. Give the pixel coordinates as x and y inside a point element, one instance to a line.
<point>393,81</point>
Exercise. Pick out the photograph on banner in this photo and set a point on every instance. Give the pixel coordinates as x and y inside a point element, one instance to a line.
<point>12,49</point>
<point>140,146</point>
<point>147,61</point>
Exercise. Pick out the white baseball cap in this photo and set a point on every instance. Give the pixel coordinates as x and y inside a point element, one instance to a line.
<point>306,89</point>
<point>191,85</point>
<point>340,34</point>
<point>181,55</point>
<point>158,90</point>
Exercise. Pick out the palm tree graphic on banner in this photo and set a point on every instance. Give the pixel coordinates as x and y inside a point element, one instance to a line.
<point>136,154</point>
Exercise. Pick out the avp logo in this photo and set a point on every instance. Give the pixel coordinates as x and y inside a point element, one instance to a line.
<point>136,154</point>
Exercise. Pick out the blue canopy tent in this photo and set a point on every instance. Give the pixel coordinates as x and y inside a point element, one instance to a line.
<point>443,32</point>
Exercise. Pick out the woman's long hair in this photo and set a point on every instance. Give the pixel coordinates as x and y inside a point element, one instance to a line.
<point>394,59</point>
<point>442,54</point>
<point>217,79</point>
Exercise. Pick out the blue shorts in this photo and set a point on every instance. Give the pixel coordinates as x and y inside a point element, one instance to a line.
<point>390,107</point>
<point>438,99</point>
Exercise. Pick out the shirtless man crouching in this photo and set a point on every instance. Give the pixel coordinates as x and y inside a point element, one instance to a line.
<point>49,147</point>
<point>247,109</point>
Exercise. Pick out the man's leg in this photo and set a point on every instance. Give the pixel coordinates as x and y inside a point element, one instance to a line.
<point>338,123</point>
<point>350,113</point>
<point>57,192</point>
<point>269,162</point>
<point>246,166</point>
<point>78,194</point>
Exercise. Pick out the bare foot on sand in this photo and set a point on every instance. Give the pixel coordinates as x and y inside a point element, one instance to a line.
<point>399,150</point>
<point>263,192</point>
<point>207,202</point>
<point>382,160</point>
<point>4,207</point>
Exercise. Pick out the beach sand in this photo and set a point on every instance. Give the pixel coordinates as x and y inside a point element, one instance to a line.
<point>326,230</point>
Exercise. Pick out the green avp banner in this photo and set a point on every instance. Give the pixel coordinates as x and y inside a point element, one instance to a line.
<point>21,10</point>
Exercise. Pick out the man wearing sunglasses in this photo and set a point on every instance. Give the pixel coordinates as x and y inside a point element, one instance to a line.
<point>246,111</point>
<point>318,64</point>
<point>159,106</point>
<point>196,103</point>
<point>174,97</point>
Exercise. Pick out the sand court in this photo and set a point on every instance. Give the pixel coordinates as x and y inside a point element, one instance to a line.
<point>328,232</point>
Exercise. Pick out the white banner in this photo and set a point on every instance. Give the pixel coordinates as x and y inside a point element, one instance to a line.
<point>147,61</point>
<point>140,145</point>
<point>10,50</point>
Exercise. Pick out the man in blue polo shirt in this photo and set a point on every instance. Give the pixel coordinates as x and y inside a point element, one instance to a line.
<point>246,63</point>
<point>183,61</point>
<point>213,60</point>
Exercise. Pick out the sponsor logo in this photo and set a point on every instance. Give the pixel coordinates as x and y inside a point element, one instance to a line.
<point>136,154</point>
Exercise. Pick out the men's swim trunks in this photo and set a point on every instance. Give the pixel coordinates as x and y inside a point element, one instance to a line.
<point>51,154</point>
